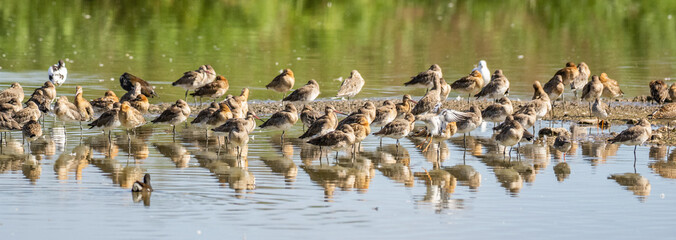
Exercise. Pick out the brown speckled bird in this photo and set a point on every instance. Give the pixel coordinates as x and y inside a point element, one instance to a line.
<point>498,86</point>
<point>426,79</point>
<point>405,105</point>
<point>351,86</point>
<point>174,115</point>
<point>635,135</point>
<point>129,117</point>
<point>592,91</point>
<point>339,139</point>
<point>398,128</point>
<point>238,104</point>
<point>195,79</point>
<point>283,82</point>
<point>31,131</point>
<point>385,114</point>
<point>14,91</point>
<point>309,115</point>
<point>213,90</point>
<point>282,120</point>
<point>108,121</point>
<point>31,111</point>
<point>659,91</point>
<point>85,108</point>
<point>306,93</point>
<point>127,81</point>
<point>106,102</point>
<point>582,78</point>
<point>323,125</point>
<point>132,94</point>
<point>470,84</point>
<point>140,103</point>
<point>431,98</point>
<point>67,112</point>
<point>611,88</point>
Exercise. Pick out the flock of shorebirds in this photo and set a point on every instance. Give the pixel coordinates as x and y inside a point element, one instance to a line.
<point>232,118</point>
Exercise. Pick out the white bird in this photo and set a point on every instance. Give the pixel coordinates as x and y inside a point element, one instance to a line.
<point>483,69</point>
<point>58,73</point>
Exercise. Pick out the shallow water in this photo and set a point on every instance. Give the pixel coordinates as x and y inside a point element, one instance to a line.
<point>67,186</point>
<point>284,190</point>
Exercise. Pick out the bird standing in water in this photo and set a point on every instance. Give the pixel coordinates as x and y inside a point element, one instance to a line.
<point>283,82</point>
<point>58,73</point>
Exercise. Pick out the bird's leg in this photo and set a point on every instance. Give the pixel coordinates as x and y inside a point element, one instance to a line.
<point>186,95</point>
<point>429,143</point>
<point>464,141</point>
<point>282,137</point>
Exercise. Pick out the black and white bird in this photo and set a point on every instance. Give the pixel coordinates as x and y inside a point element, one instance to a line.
<point>58,73</point>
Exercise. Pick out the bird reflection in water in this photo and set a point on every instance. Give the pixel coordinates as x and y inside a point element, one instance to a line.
<point>31,169</point>
<point>228,168</point>
<point>284,164</point>
<point>440,184</point>
<point>175,152</point>
<point>393,163</point>
<point>141,196</point>
<point>634,182</point>
<point>666,169</point>
<point>76,161</point>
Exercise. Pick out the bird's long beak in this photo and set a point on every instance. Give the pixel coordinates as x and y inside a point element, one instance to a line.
<point>414,101</point>
<point>256,117</point>
<point>342,113</point>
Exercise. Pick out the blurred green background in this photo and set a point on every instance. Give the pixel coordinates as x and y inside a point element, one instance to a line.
<point>387,41</point>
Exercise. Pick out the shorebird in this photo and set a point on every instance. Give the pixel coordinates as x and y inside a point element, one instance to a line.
<point>283,82</point>
<point>203,116</point>
<point>174,115</point>
<point>527,116</point>
<point>435,123</point>
<point>130,118</point>
<point>213,90</point>
<point>659,91</point>
<point>249,123</point>
<point>282,120</point>
<point>308,116</point>
<point>431,98</point>
<point>470,84</point>
<point>194,79</point>
<point>26,114</point>
<point>238,137</point>
<point>554,88</point>
<point>368,111</point>
<point>568,73</point>
<point>220,116</point>
<point>635,135</point>
<point>672,92</point>
<point>44,96</point>
<point>666,111</point>
<point>405,105</point>
<point>582,78</point>
<point>445,89</point>
<point>133,93</point>
<point>510,134</point>
<point>10,105</point>
<point>385,114</point>
<point>7,123</point>
<point>127,81</point>
<point>140,103</point>
<point>341,138</point>
<point>85,108</point>
<point>323,125</point>
<point>398,128</point>
<point>562,143</point>
<point>31,130</point>
<point>498,86</point>
<point>361,130</point>
<point>67,112</point>
<point>306,93</point>
<point>238,104</point>
<point>540,102</point>
<point>14,91</point>
<point>496,113</point>
<point>351,86</point>
<point>426,79</point>
<point>108,121</point>
<point>600,110</point>
<point>58,73</point>
<point>106,102</point>
<point>142,186</point>
<point>469,123</point>
<point>483,70</point>
<point>592,91</point>
<point>611,89</point>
